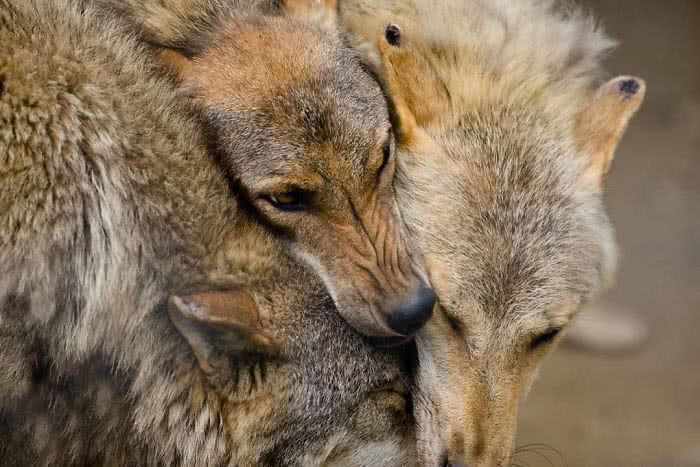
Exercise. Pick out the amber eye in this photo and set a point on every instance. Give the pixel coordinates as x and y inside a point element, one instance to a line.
<point>544,339</point>
<point>296,200</point>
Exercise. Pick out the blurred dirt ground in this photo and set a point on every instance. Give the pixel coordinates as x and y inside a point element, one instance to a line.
<point>641,409</point>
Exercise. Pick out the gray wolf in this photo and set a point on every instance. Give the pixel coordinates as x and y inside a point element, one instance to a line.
<point>145,319</point>
<point>505,136</point>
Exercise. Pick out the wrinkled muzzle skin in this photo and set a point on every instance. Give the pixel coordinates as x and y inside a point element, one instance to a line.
<point>369,266</point>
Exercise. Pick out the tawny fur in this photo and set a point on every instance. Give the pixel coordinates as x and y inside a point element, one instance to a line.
<point>541,51</point>
<point>505,141</point>
<point>111,204</point>
<point>292,113</point>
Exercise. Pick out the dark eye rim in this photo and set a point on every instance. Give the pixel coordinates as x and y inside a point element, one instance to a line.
<point>302,200</point>
<point>544,338</point>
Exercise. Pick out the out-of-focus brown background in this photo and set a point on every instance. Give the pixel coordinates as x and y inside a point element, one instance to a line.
<point>640,409</point>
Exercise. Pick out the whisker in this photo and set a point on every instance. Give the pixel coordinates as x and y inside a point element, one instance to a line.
<point>549,461</point>
<point>523,464</point>
<point>537,448</point>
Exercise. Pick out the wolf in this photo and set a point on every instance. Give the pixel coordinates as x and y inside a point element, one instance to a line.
<point>238,374</point>
<point>302,130</point>
<point>144,318</point>
<point>506,133</point>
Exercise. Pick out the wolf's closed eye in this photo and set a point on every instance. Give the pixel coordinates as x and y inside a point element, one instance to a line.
<point>544,338</point>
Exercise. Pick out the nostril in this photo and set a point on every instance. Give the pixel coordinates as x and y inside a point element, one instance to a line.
<point>412,315</point>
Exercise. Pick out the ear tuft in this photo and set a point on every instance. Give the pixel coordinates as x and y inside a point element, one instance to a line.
<point>603,121</point>
<point>629,87</point>
<point>392,33</point>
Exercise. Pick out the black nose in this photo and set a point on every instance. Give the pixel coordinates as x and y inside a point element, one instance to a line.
<point>412,315</point>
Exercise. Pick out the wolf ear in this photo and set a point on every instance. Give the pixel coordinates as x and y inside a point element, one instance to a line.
<point>324,10</point>
<point>603,121</point>
<point>218,325</point>
<point>418,96</point>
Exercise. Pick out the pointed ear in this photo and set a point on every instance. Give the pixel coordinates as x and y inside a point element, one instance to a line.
<point>324,10</point>
<point>177,62</point>
<point>418,96</point>
<point>603,121</point>
<point>220,324</point>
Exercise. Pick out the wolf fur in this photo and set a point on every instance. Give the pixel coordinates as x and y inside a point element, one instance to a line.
<point>505,136</point>
<point>294,116</point>
<point>145,318</point>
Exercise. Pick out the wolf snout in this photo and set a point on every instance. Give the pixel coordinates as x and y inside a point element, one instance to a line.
<point>413,313</point>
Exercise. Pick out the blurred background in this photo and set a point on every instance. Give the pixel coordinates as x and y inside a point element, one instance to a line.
<point>640,408</point>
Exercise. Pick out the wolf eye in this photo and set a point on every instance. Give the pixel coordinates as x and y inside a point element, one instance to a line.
<point>296,200</point>
<point>544,339</point>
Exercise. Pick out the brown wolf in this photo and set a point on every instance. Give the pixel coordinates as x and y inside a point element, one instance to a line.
<point>144,318</point>
<point>303,132</point>
<point>505,139</point>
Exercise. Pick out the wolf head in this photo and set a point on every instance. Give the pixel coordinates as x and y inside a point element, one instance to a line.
<point>251,367</point>
<point>262,340</point>
<point>303,132</point>
<point>504,144</point>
